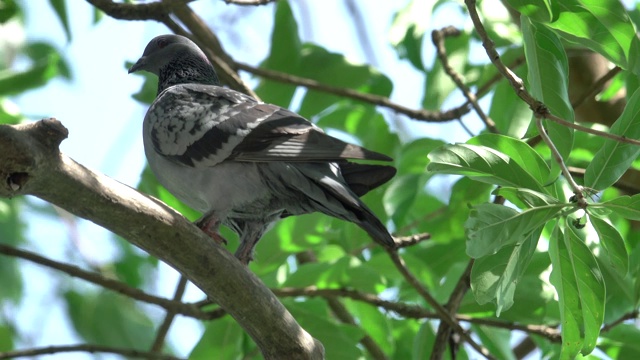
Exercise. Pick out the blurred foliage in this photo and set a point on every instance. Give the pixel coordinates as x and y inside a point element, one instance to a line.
<point>538,261</point>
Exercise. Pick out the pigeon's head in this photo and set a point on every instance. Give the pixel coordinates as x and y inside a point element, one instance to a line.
<point>176,60</point>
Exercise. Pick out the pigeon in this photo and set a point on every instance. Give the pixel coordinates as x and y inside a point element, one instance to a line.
<point>246,164</point>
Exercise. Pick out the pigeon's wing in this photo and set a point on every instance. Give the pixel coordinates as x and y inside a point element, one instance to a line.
<point>203,125</point>
<point>286,136</point>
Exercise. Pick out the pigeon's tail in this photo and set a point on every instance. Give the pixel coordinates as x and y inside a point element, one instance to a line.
<point>332,194</point>
<point>374,227</point>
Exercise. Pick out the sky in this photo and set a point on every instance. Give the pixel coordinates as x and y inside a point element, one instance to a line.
<point>105,123</point>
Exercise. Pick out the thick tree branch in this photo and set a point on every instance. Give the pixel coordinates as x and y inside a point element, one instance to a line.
<point>31,164</point>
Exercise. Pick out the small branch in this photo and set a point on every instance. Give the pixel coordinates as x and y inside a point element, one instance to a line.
<point>455,299</point>
<point>49,350</point>
<point>152,11</point>
<point>596,87</point>
<point>410,240</point>
<point>577,189</point>
<point>168,318</point>
<point>628,316</point>
<point>249,2</point>
<point>441,311</point>
<point>417,114</point>
<point>437,37</point>
<point>95,278</point>
<point>603,134</point>
<point>341,312</point>
<point>411,311</point>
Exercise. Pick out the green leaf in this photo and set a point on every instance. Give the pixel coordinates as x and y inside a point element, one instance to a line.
<point>621,342</point>
<point>516,150</point>
<point>540,10</point>
<point>60,7</point>
<point>511,115</point>
<point>614,158</point>
<point>401,195</point>
<point>496,340</point>
<point>525,198</point>
<point>40,72</point>
<point>581,292</point>
<point>600,25</point>
<point>334,69</point>
<point>284,56</point>
<point>496,276</point>
<point>438,85</point>
<point>483,164</point>
<point>626,206</point>
<point>407,30</point>
<point>614,251</point>
<point>222,339</point>
<point>340,341</point>
<point>548,78</point>
<point>6,338</point>
<point>491,227</point>
<point>95,316</point>
<point>9,10</point>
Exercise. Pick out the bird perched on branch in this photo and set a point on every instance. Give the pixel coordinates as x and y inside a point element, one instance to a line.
<point>242,163</point>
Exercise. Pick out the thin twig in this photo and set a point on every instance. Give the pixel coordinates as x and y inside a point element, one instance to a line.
<point>628,316</point>
<point>249,2</point>
<point>437,37</point>
<point>341,312</point>
<point>48,350</point>
<point>95,278</point>
<point>603,134</point>
<point>455,299</point>
<point>163,330</point>
<point>416,114</point>
<point>596,87</point>
<point>441,311</point>
<point>577,189</point>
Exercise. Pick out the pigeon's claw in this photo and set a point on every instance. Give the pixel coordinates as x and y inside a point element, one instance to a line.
<point>210,225</point>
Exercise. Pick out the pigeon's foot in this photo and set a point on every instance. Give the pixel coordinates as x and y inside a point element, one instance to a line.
<point>211,226</point>
<point>244,255</point>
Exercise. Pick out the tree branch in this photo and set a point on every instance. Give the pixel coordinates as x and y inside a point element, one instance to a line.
<point>49,350</point>
<point>31,164</point>
<point>437,37</point>
<point>163,330</point>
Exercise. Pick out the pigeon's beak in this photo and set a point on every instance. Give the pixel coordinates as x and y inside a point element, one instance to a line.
<point>138,65</point>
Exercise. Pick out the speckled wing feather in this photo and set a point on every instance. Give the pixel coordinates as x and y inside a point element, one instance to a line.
<point>203,125</point>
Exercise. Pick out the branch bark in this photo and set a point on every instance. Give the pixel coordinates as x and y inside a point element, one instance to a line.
<point>31,164</point>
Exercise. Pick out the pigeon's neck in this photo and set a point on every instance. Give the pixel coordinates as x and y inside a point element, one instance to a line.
<point>187,71</point>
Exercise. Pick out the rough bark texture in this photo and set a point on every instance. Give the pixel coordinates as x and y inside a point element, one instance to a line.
<point>31,164</point>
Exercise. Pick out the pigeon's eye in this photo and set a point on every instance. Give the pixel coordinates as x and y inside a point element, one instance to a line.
<point>162,43</point>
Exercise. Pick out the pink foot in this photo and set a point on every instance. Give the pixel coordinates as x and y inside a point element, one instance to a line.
<point>211,226</point>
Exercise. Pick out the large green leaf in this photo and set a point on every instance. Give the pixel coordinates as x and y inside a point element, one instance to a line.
<point>497,341</point>
<point>490,227</point>
<point>581,291</point>
<point>407,30</point>
<point>525,198</point>
<point>110,319</point>
<point>614,251</point>
<point>615,157</point>
<point>601,25</point>
<point>496,276</point>
<point>284,56</point>
<point>548,78</point>
<point>481,163</point>
<point>222,339</point>
<point>60,8</point>
<point>621,342</point>
<point>516,150</point>
<point>334,69</point>
<point>626,206</point>
<point>340,341</point>
<point>38,74</point>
